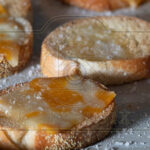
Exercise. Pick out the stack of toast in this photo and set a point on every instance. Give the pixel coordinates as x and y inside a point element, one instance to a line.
<point>69,108</point>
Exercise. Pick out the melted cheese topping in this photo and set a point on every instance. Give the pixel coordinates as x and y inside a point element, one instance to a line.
<point>55,104</point>
<point>11,36</point>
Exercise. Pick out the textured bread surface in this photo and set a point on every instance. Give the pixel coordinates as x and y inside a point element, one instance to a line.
<point>103,5</point>
<point>112,50</point>
<point>18,8</point>
<point>25,46</point>
<point>85,133</point>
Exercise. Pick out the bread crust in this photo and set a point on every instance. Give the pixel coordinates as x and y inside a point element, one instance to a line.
<point>84,134</point>
<point>101,5</point>
<point>107,72</point>
<point>25,51</point>
<point>18,8</point>
<point>87,133</point>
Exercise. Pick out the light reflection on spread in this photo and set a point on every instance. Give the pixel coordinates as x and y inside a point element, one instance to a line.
<point>55,104</point>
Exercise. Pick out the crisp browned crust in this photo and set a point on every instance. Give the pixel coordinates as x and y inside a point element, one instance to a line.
<point>48,64</point>
<point>100,5</point>
<point>84,134</point>
<point>18,8</point>
<point>109,71</point>
<point>24,54</point>
<point>88,132</point>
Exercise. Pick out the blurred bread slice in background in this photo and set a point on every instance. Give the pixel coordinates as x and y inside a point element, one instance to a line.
<point>103,5</point>
<point>17,8</point>
<point>16,41</point>
<point>112,50</point>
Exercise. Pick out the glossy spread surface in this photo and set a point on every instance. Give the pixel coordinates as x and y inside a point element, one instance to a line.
<point>11,37</point>
<point>3,11</point>
<point>55,104</point>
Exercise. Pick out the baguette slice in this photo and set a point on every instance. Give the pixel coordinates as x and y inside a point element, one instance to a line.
<point>17,8</point>
<point>16,39</point>
<point>55,113</point>
<point>103,5</point>
<point>112,50</point>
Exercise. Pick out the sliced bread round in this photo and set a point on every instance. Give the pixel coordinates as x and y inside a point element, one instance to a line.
<point>103,5</point>
<point>15,44</point>
<point>112,50</point>
<point>18,8</point>
<point>62,113</point>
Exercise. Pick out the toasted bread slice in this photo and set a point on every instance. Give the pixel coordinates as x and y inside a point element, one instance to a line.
<point>112,50</point>
<point>16,8</point>
<point>16,40</point>
<point>55,113</point>
<point>103,5</point>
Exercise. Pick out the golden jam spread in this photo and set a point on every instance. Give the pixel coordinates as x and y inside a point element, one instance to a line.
<point>10,50</point>
<point>55,104</point>
<point>33,114</point>
<point>89,111</point>
<point>3,11</point>
<point>10,40</point>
